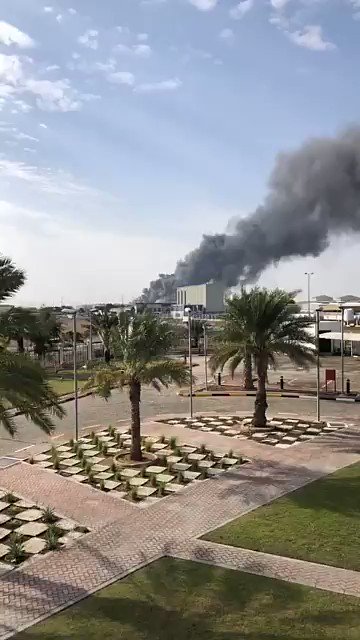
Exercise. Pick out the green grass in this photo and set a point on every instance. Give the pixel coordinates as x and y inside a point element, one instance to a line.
<point>319,523</point>
<point>178,600</point>
<point>63,387</point>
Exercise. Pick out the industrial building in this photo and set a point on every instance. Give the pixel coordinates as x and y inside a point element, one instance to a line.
<point>208,298</point>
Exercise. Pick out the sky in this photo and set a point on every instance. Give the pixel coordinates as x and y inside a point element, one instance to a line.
<point>128,128</point>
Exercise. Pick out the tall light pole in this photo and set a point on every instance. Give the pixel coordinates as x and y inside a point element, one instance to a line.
<point>342,352</point>
<point>90,351</point>
<point>309,274</point>
<point>188,312</point>
<point>318,365</point>
<point>205,357</point>
<point>71,313</point>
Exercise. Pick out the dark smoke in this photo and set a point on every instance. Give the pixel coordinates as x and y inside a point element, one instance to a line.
<point>314,194</point>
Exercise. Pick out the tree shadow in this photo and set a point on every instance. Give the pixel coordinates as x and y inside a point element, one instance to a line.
<point>174,599</point>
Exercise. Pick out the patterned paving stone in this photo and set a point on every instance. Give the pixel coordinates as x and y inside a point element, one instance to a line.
<point>164,478</point>
<point>66,525</point>
<point>111,485</point>
<point>70,463</point>
<point>3,533</point>
<point>4,550</point>
<point>25,504</point>
<point>145,492</point>
<point>34,545</point>
<point>104,475</point>
<point>30,515</point>
<point>42,457</point>
<point>72,471</point>
<point>3,505</point>
<point>137,482</point>
<point>100,467</point>
<point>129,473</point>
<point>4,518</point>
<point>181,466</point>
<point>32,529</point>
<point>154,470</point>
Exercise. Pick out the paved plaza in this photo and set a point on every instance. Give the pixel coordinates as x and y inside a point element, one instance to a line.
<point>125,537</point>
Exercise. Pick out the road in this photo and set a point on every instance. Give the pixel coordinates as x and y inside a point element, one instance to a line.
<point>95,411</point>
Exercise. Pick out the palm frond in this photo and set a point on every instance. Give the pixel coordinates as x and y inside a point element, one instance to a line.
<point>11,278</point>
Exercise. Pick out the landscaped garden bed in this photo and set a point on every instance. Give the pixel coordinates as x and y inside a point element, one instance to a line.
<point>102,460</point>
<point>26,530</point>
<point>280,432</point>
<point>177,600</point>
<point>318,523</point>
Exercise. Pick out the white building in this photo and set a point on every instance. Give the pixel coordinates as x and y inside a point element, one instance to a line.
<point>209,297</point>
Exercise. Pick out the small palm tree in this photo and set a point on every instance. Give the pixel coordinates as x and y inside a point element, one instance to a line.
<point>45,332</point>
<point>140,345</point>
<point>18,324</point>
<point>23,384</point>
<point>103,323</point>
<point>262,324</point>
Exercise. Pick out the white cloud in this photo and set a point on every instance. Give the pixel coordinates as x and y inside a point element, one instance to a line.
<point>310,37</point>
<point>241,9</point>
<point>72,11</point>
<point>59,18</point>
<point>52,67</point>
<point>122,77</point>
<point>10,35</point>
<point>16,79</point>
<point>43,125</point>
<point>143,37</point>
<point>227,35</point>
<point>16,134</point>
<point>139,50</point>
<point>204,5</point>
<point>49,9</point>
<point>279,4</point>
<point>158,87</point>
<point>89,39</point>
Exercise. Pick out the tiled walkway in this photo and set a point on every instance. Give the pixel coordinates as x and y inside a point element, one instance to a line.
<point>263,564</point>
<point>132,537</point>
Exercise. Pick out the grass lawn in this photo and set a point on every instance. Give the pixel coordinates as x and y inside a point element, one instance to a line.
<point>63,387</point>
<point>319,523</point>
<point>180,600</point>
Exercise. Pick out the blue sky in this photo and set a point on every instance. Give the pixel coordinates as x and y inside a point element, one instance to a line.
<point>130,127</point>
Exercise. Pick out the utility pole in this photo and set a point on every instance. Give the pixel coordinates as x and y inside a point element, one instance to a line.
<point>309,274</point>
<point>205,357</point>
<point>318,365</point>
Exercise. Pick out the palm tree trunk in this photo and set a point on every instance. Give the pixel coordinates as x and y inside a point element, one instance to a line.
<point>248,377</point>
<point>20,344</point>
<point>134,395</point>
<point>259,418</point>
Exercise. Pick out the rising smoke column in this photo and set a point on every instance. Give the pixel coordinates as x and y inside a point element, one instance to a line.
<point>314,193</point>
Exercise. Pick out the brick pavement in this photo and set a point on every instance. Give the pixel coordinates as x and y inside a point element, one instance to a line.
<point>138,536</point>
<point>263,564</point>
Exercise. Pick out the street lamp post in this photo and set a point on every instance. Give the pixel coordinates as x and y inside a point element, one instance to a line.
<point>342,352</point>
<point>205,357</point>
<point>76,405</point>
<point>309,274</point>
<point>188,311</point>
<point>90,352</point>
<point>318,365</point>
<point>71,313</point>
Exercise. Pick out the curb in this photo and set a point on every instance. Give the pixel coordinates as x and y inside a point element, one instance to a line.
<point>270,394</point>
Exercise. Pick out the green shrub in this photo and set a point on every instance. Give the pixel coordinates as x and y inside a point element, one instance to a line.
<point>54,452</point>
<point>16,552</point>
<point>31,460</point>
<point>203,448</point>
<point>91,477</point>
<point>180,478</point>
<point>231,454</point>
<point>133,494</point>
<point>127,485</point>
<point>102,485</point>
<point>162,439</point>
<point>52,540</point>
<point>212,456</point>
<point>104,448</point>
<point>173,442</point>
<point>13,524</point>
<point>88,466</point>
<point>118,439</point>
<point>195,465</point>
<point>111,431</point>
<point>80,453</point>
<point>114,467</point>
<point>49,516</point>
<point>71,443</point>
<point>148,445</point>
<point>83,463</point>
<point>161,491</point>
<point>10,498</point>
<point>153,482</point>
<point>177,452</point>
<point>92,435</point>
<point>76,447</point>
<point>56,464</point>
<point>143,472</point>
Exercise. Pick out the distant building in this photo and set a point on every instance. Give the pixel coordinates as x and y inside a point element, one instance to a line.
<point>209,297</point>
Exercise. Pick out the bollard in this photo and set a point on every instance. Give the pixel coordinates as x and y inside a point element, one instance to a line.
<point>348,386</point>
<point>219,378</point>
<point>281,382</point>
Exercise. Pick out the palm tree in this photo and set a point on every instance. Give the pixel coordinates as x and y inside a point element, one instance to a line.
<point>140,345</point>
<point>103,323</point>
<point>197,333</point>
<point>262,324</point>
<point>17,324</point>
<point>45,332</point>
<point>23,384</point>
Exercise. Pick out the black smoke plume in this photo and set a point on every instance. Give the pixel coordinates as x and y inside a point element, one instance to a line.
<point>314,194</point>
